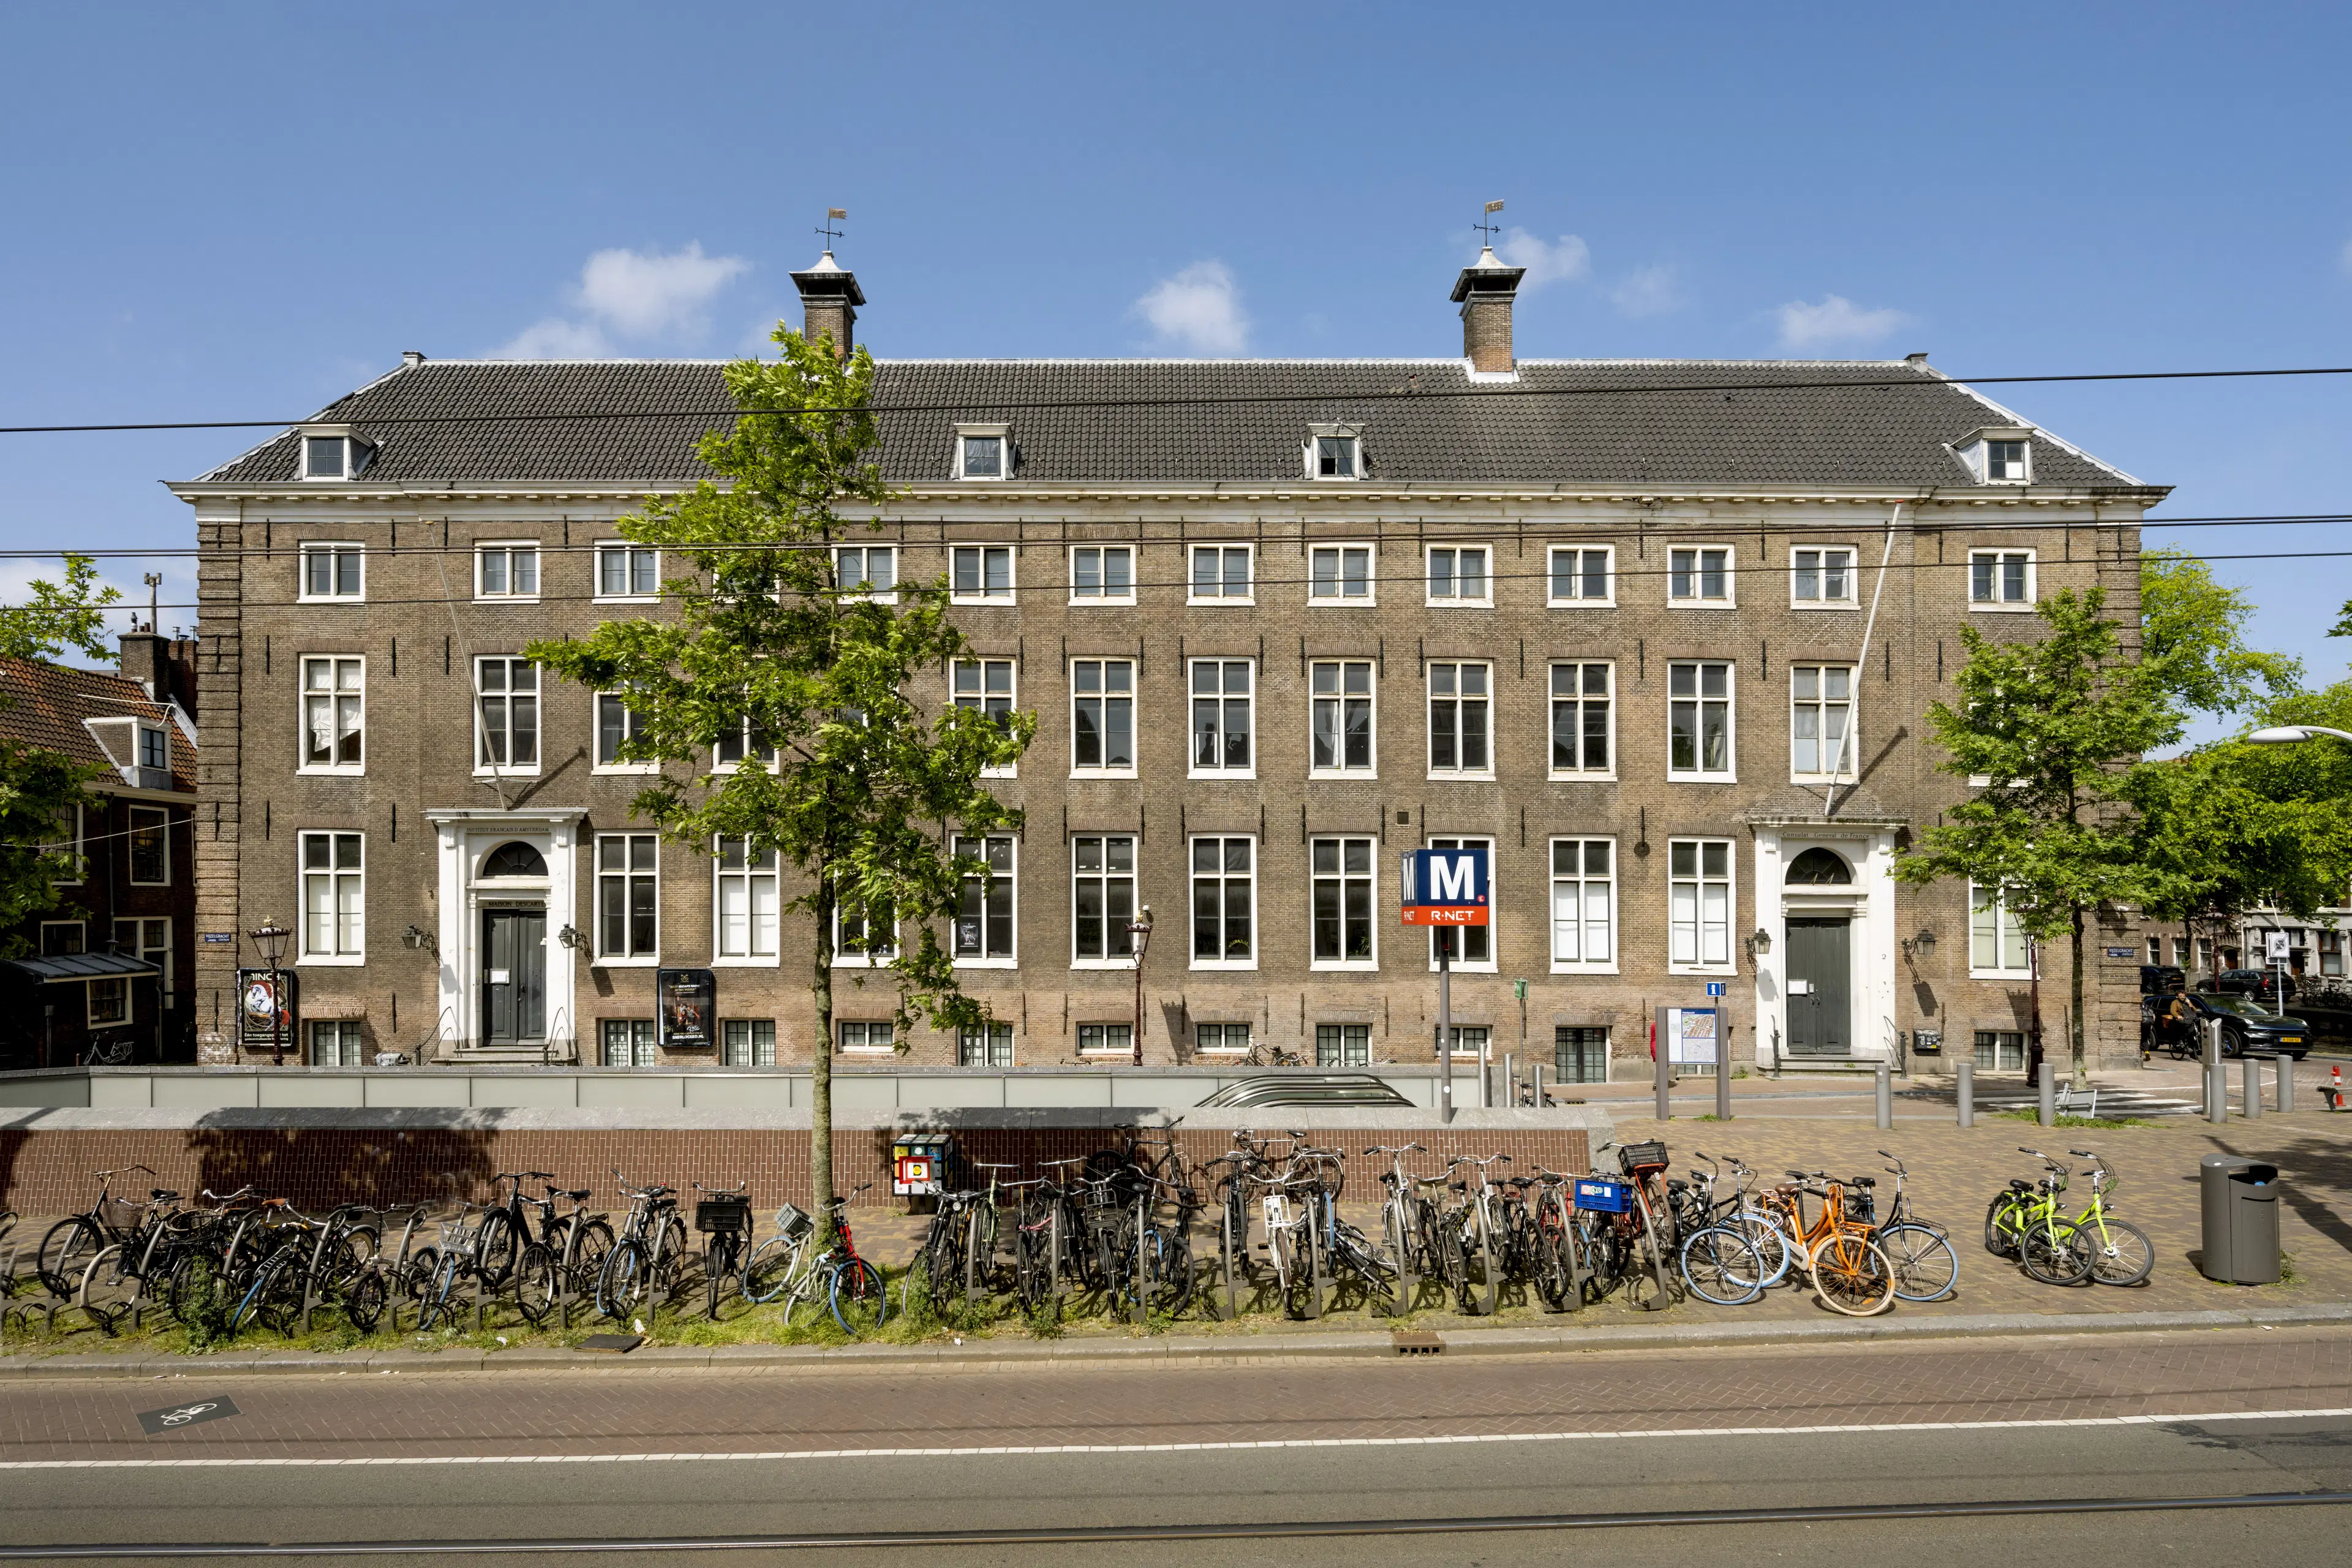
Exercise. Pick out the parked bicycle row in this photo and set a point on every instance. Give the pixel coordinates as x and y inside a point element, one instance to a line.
<point>2027,1221</point>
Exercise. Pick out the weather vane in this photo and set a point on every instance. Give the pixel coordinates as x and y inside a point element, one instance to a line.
<point>832,216</point>
<point>1488,227</point>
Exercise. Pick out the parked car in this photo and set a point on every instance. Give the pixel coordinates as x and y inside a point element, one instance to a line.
<point>2246,1026</point>
<point>2260,982</point>
<point>2156,979</point>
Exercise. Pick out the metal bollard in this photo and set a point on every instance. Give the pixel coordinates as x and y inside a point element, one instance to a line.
<point>1964,1079</point>
<point>2046,1083</point>
<point>2217,1087</point>
<point>2250,1085</point>
<point>1886,1096</point>
<point>2287,1084</point>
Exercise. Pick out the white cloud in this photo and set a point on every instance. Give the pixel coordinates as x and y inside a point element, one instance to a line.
<point>1836,320</point>
<point>1199,308</point>
<point>635,296</point>
<point>1561,261</point>
<point>1647,290</point>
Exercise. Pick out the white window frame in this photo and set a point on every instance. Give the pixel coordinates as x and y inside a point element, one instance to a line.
<point>1463,962</point>
<point>1012,699</point>
<point>1997,905</point>
<point>638,1039</point>
<point>1192,751</point>
<point>1113,928</point>
<point>755,1051</point>
<point>509,596</point>
<point>356,454</point>
<point>116,985</point>
<point>1008,595</point>
<point>349,1038</point>
<point>157,953</point>
<point>771,758</point>
<point>864,572</point>
<point>1342,1062</point>
<point>333,550</point>
<point>1849,759</point>
<point>1193,878</point>
<point>131,813</point>
<point>1221,1051</point>
<point>976,846</point>
<point>1002,435</point>
<point>985,1039</point>
<point>1579,600</point>
<point>1852,600</point>
<point>71,848</point>
<point>889,1048</point>
<point>1699,881</point>
<point>303,693</point>
<point>1221,549</point>
<point>155,741</point>
<point>1485,772</point>
<point>1698,576</point>
<point>872,957</point>
<point>1105,697</point>
<point>1979,455</point>
<point>1316,434</point>
<point>628,551</point>
<point>1700,773</point>
<point>483,768</point>
<point>600,875</point>
<point>1457,600</point>
<point>1584,881</point>
<point>1103,596</point>
<point>630,721</point>
<point>749,876</point>
<point>1603,775</point>
<point>1107,1050</point>
<point>1999,606</point>
<point>1338,700</point>
<point>338,956</point>
<point>1344,601</point>
<point>1370,878</point>
<point>82,937</point>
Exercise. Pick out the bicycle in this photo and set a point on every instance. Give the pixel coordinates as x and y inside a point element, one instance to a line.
<point>1402,1224</point>
<point>2026,1222</point>
<point>645,1263</point>
<point>1718,1262</point>
<point>453,1261</point>
<point>724,1215</point>
<point>1849,1272</point>
<point>851,1286</point>
<point>67,1250</point>
<point>576,1244</point>
<point>2120,1252</point>
<point>1926,1266</point>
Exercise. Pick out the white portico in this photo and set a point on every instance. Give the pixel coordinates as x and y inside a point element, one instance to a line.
<point>507,891</point>
<point>1825,975</point>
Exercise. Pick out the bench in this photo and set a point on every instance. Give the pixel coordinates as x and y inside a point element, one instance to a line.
<point>2078,1103</point>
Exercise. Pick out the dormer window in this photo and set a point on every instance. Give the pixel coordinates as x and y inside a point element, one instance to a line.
<point>1334,452</point>
<point>1998,455</point>
<point>2005,462</point>
<point>984,452</point>
<point>334,454</point>
<point>154,748</point>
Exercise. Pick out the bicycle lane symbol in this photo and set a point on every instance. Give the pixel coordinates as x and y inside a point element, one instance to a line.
<point>194,1413</point>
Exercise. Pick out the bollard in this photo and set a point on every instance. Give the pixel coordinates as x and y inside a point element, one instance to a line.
<point>2287,1084</point>
<point>1664,1098</point>
<point>2217,1093</point>
<point>1964,1079</point>
<point>1534,1078</point>
<point>2047,1084</point>
<point>1510,1078</point>
<point>2250,1085</point>
<point>1886,1096</point>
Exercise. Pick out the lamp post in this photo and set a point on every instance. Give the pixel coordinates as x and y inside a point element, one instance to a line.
<point>2295,734</point>
<point>1140,929</point>
<point>270,940</point>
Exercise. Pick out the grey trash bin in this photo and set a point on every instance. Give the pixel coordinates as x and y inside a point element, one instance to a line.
<point>2239,1199</point>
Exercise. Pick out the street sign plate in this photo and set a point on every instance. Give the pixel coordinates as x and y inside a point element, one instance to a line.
<point>1715,987</point>
<point>1444,887</point>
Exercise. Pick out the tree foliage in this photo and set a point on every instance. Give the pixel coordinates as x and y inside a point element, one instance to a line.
<point>38,787</point>
<point>61,618</point>
<point>2192,639</point>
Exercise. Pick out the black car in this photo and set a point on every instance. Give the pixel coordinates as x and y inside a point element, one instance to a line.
<point>2259,983</point>
<point>2246,1027</point>
<point>2157,979</point>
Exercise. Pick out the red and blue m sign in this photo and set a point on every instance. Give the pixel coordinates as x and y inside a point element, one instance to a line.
<point>1445,887</point>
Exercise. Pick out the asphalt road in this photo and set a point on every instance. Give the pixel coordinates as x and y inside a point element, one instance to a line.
<point>416,1459</point>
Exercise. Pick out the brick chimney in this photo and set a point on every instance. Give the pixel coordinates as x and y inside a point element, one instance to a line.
<point>165,666</point>
<point>1485,291</point>
<point>829,301</point>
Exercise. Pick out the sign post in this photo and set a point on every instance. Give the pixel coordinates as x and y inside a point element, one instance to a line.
<point>1445,888</point>
<point>2275,942</point>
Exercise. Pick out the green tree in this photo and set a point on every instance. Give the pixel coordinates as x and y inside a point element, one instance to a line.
<point>38,786</point>
<point>868,791</point>
<point>2192,639</point>
<point>2060,726</point>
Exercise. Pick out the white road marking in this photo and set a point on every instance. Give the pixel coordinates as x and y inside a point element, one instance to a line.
<point>311,1462</point>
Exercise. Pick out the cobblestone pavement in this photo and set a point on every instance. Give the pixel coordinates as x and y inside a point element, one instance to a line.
<point>628,1410</point>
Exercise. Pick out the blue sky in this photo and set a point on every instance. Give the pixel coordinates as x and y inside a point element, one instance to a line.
<point>244,211</point>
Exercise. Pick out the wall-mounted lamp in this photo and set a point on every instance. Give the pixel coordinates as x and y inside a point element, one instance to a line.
<point>574,938</point>
<point>419,940</point>
<point>1760,944</point>
<point>1920,946</point>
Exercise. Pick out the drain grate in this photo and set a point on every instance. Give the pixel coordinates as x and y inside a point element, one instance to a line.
<point>1417,1341</point>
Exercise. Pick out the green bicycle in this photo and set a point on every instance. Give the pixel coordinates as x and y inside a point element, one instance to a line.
<point>2120,1252</point>
<point>2025,1222</point>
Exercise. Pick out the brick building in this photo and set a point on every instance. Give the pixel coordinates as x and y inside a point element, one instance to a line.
<point>1660,633</point>
<point>107,973</point>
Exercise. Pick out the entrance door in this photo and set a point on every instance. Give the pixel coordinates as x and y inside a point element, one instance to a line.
<point>1820,969</point>
<point>514,976</point>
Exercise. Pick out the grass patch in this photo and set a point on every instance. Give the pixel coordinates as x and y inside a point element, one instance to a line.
<point>2093,1121</point>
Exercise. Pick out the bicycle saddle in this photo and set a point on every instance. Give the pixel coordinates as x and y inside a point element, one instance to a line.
<point>2020,1185</point>
<point>163,1194</point>
<point>1861,1181</point>
<point>1794,1175</point>
<point>1676,1184</point>
<point>581,1195</point>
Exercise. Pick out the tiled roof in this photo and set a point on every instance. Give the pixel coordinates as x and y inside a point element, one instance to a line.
<point>1578,422</point>
<point>44,705</point>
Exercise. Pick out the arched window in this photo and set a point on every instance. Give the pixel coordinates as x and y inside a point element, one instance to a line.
<point>1820,868</point>
<point>516,859</point>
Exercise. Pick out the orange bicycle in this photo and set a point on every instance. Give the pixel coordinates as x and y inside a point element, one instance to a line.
<point>1851,1273</point>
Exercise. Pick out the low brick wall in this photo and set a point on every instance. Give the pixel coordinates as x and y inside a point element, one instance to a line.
<point>47,1171</point>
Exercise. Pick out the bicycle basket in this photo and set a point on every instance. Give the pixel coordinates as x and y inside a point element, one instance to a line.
<point>723,1215</point>
<point>116,1215</point>
<point>793,1223</point>
<point>1604,1195</point>
<point>1635,1158</point>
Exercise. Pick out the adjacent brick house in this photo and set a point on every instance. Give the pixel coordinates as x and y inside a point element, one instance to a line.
<point>107,975</point>
<point>1661,634</point>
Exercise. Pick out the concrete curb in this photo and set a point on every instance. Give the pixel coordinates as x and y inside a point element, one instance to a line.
<point>1170,1350</point>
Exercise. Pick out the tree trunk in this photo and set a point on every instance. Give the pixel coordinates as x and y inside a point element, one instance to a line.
<point>2075,1025</point>
<point>821,1184</point>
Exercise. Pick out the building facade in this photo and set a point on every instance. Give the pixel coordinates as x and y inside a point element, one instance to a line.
<point>1662,635</point>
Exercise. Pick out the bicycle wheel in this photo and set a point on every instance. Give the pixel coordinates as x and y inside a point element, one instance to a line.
<point>66,1252</point>
<point>1719,1264</point>
<point>1852,1276</point>
<point>364,1300</point>
<point>1776,1250</point>
<point>2123,1256</point>
<point>860,1304</point>
<point>533,1278</point>
<point>1303,1293</point>
<point>1644,1272</point>
<point>623,1282</point>
<point>1926,1266</point>
<point>437,1300</point>
<point>496,1249</point>
<point>770,1269</point>
<point>1383,1284</point>
<point>2056,1254</point>
<point>2002,1226</point>
<point>248,1310</point>
<point>668,1259</point>
<point>1168,1267</point>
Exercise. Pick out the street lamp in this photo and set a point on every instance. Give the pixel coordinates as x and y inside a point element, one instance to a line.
<point>1140,929</point>
<point>270,938</point>
<point>2295,734</point>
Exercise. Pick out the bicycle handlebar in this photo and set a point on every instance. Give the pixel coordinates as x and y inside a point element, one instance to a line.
<point>737,1191</point>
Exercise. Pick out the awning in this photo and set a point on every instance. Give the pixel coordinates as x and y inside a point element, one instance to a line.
<point>72,968</point>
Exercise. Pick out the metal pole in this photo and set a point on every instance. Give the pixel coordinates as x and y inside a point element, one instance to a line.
<point>2047,1086</point>
<point>1722,1069</point>
<point>1887,1096</point>
<point>2285,1083</point>
<point>1664,1049</point>
<point>1510,1078</point>
<point>2250,1085</point>
<point>1964,1079</point>
<point>1444,1025</point>
<point>2217,1101</point>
